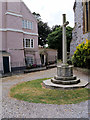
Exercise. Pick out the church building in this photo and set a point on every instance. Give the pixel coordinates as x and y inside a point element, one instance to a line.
<point>81,30</point>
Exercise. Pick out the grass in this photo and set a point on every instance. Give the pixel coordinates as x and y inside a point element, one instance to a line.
<point>32,91</point>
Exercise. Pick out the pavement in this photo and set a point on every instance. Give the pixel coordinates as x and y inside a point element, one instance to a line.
<point>12,108</point>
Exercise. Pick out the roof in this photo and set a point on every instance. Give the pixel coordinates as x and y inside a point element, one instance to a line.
<point>29,10</point>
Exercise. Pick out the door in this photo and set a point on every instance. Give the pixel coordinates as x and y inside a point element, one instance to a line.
<point>42,58</point>
<point>6,64</point>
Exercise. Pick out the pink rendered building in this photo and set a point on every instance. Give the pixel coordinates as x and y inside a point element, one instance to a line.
<point>19,37</point>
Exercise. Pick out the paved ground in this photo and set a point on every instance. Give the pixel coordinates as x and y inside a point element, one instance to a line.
<point>12,108</point>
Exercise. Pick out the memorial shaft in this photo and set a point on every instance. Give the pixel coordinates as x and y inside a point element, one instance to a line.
<point>64,40</point>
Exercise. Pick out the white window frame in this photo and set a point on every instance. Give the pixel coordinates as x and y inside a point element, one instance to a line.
<point>31,25</point>
<point>30,43</point>
<point>27,24</point>
<point>23,23</point>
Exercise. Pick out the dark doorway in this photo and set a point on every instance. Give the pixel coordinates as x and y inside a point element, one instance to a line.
<point>42,58</point>
<point>6,64</point>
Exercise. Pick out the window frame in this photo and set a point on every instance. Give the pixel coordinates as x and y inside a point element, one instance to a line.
<point>23,23</point>
<point>30,59</point>
<point>27,24</point>
<point>30,45</point>
<point>31,25</point>
<point>86,17</point>
<point>27,43</point>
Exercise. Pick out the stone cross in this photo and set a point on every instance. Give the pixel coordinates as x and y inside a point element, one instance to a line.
<point>64,40</point>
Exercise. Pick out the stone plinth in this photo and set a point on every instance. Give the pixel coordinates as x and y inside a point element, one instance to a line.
<point>65,79</point>
<point>65,76</point>
<point>65,71</point>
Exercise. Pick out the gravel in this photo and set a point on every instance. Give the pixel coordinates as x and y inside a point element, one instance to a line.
<point>12,108</point>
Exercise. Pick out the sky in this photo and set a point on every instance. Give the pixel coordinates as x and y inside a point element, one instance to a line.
<point>51,10</point>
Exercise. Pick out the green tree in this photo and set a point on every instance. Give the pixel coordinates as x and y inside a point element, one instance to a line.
<point>69,36</point>
<point>54,27</point>
<point>43,30</point>
<point>37,16</point>
<point>55,39</point>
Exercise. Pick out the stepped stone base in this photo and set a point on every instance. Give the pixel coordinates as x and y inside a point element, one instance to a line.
<point>65,79</point>
<point>49,84</point>
<point>68,82</point>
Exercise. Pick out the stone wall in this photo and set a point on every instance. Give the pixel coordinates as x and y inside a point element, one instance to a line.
<point>77,34</point>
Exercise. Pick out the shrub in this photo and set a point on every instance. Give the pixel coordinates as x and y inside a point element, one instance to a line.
<point>29,66</point>
<point>34,65</point>
<point>81,55</point>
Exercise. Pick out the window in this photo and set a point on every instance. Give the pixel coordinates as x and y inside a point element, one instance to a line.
<point>86,16</point>
<point>29,43</point>
<point>27,24</point>
<point>89,16</point>
<point>29,60</point>
<point>22,23</point>
<point>31,27</point>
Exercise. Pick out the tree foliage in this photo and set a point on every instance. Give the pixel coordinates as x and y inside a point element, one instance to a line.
<point>69,37</point>
<point>52,36</point>
<point>37,16</point>
<point>54,27</point>
<point>55,39</point>
<point>43,30</point>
